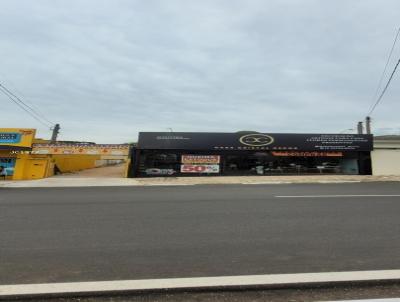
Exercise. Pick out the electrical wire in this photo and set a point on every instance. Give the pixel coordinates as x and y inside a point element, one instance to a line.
<point>372,108</point>
<point>32,114</point>
<point>16,92</point>
<point>35,111</point>
<point>386,65</point>
<point>384,89</point>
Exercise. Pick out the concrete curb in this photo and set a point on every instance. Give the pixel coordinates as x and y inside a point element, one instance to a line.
<point>225,282</point>
<point>135,182</point>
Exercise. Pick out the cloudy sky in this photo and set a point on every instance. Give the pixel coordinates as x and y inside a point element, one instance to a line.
<point>106,70</point>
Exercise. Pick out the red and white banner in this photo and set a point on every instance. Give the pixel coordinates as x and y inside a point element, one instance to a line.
<point>199,168</point>
<point>200,159</point>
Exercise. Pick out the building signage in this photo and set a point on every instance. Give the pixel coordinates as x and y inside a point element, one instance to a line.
<point>199,168</point>
<point>255,141</point>
<point>200,159</point>
<point>307,154</point>
<point>16,138</point>
<point>10,138</point>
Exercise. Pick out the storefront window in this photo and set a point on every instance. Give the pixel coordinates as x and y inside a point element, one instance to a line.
<point>159,163</point>
<point>7,165</point>
<point>163,162</point>
<point>266,164</point>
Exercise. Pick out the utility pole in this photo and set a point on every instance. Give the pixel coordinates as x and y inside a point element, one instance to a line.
<point>368,124</point>
<point>56,130</point>
<point>360,128</point>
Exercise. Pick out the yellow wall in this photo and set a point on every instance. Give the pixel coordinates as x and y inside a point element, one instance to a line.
<point>35,166</point>
<point>71,158</point>
<point>30,166</point>
<point>75,162</point>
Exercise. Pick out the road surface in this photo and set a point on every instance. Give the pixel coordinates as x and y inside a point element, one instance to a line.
<point>116,233</point>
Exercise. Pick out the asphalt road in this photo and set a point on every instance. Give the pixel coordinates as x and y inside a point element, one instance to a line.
<point>112,233</point>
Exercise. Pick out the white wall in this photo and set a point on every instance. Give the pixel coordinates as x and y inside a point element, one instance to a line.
<point>385,162</point>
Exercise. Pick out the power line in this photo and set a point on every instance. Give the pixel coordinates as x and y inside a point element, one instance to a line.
<point>34,111</point>
<point>22,107</point>
<point>386,65</point>
<point>10,96</point>
<point>383,75</point>
<point>17,92</point>
<point>384,89</point>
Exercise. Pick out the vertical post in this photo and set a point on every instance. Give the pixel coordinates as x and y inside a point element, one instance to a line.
<point>54,135</point>
<point>360,128</point>
<point>134,167</point>
<point>368,124</point>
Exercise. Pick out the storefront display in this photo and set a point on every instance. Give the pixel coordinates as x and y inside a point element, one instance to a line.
<point>187,153</point>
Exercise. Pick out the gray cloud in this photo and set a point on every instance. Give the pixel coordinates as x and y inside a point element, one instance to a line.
<point>108,69</point>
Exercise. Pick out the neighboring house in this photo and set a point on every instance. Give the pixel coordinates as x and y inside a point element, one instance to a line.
<point>386,155</point>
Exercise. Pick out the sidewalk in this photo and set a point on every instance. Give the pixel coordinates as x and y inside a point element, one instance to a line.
<point>82,181</point>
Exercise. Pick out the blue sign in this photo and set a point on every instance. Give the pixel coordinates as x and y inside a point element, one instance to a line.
<point>10,138</point>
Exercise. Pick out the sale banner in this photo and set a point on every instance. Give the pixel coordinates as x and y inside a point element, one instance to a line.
<point>200,159</point>
<point>199,168</point>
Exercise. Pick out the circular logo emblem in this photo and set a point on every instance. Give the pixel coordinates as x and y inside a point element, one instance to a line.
<point>256,140</point>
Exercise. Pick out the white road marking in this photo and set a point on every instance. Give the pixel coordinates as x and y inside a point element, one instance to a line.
<point>336,181</point>
<point>370,300</point>
<point>266,183</point>
<point>273,182</point>
<point>201,282</point>
<point>161,184</point>
<point>337,196</point>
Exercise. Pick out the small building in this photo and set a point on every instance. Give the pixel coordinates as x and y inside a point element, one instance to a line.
<point>16,160</point>
<point>250,153</point>
<point>386,155</point>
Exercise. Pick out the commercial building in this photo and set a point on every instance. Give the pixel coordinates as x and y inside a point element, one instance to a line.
<point>22,156</point>
<point>250,153</point>
<point>16,160</point>
<point>12,141</point>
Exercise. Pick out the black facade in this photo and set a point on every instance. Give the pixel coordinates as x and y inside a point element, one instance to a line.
<point>250,153</point>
